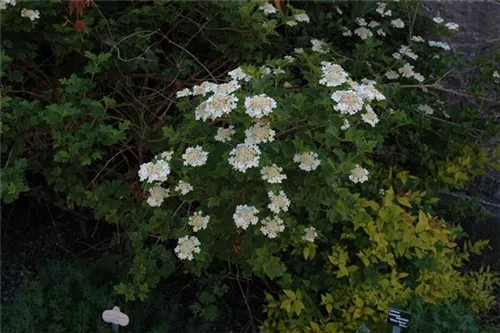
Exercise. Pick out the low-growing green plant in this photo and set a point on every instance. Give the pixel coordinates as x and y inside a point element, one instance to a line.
<point>314,164</point>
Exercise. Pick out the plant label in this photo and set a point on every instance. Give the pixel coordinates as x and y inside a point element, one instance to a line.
<point>115,316</point>
<point>398,318</point>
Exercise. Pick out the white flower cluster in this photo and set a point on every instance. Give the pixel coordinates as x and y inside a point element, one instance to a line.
<point>370,117</point>
<point>319,46</point>
<point>238,74</point>
<point>4,3</point>
<point>27,13</point>
<point>225,134</point>
<point>346,125</point>
<point>425,109</point>
<point>442,45</point>
<point>348,101</point>
<point>195,156</point>
<point>260,132</point>
<point>406,51</point>
<point>279,202</point>
<point>398,23</point>
<point>271,227</point>
<point>359,174</point>
<point>268,9</point>
<point>157,195</point>
<point>417,39</point>
<point>308,161</point>
<point>186,247</point>
<point>183,187</point>
<point>157,171</point>
<point>198,221</point>
<point>333,75</point>
<point>381,9</point>
<point>407,72</point>
<point>368,92</point>
<point>272,174</point>
<point>245,215</point>
<point>244,156</point>
<point>310,234</point>
<point>363,33</point>
<point>259,106</point>
<point>449,25</point>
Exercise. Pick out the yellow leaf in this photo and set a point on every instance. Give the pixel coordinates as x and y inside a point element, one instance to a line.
<point>286,305</point>
<point>299,306</point>
<point>329,308</point>
<point>306,253</point>
<point>290,294</point>
<point>404,201</point>
<point>314,326</point>
<point>298,293</point>
<point>423,222</point>
<point>358,302</point>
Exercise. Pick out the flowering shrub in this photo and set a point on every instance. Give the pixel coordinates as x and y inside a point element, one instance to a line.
<point>317,168</point>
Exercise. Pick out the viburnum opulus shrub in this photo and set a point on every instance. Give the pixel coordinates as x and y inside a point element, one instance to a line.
<point>317,168</point>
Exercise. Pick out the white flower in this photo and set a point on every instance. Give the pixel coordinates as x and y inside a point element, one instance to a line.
<point>278,71</point>
<point>370,117</point>
<point>397,55</point>
<point>419,77</point>
<point>318,45</point>
<point>227,88</point>
<point>289,59</point>
<point>202,111</point>
<point>391,75</point>
<point>452,26</point>
<point>359,174</point>
<point>4,3</point>
<point>287,85</point>
<point>381,192</point>
<point>381,32</point>
<point>406,70</point>
<point>166,156</point>
<point>31,14</point>
<point>154,171</point>
<point>239,74</point>
<point>373,24</point>
<point>438,20</point>
<point>225,134</point>
<point>363,33</point>
<point>346,125</point>
<point>406,51</point>
<point>187,246</point>
<point>268,9</point>
<point>388,13</point>
<point>310,234</point>
<point>346,32</point>
<point>183,93</point>
<point>272,174</point>
<point>369,93</point>
<point>272,227</point>
<point>361,21</point>
<point>417,39</point>
<point>259,106</point>
<point>298,50</point>
<point>291,23</point>
<point>265,70</point>
<point>279,202</point>
<point>204,88</point>
<point>218,105</point>
<point>308,161</point>
<point>425,109</point>
<point>348,101</point>
<point>496,75</point>
<point>398,23</point>
<point>157,195</point>
<point>259,133</point>
<point>183,187</point>
<point>302,18</point>
<point>442,45</point>
<point>381,8</point>
<point>245,216</point>
<point>195,156</point>
<point>339,11</point>
<point>198,221</point>
<point>244,156</point>
<point>333,74</point>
